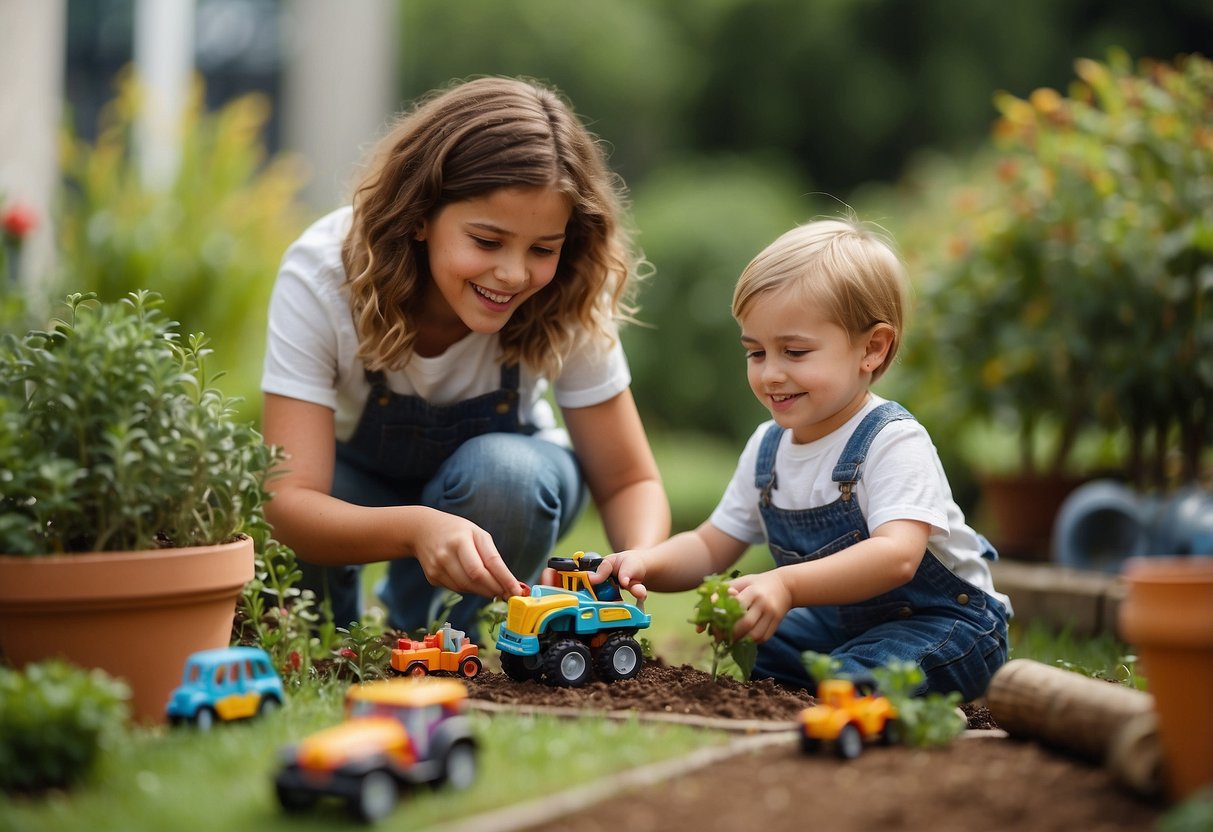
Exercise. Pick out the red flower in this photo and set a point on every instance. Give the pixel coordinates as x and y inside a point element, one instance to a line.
<point>19,221</point>
<point>294,660</point>
<point>347,653</point>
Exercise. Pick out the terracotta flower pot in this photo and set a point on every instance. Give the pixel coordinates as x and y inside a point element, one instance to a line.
<point>136,615</point>
<point>1023,508</point>
<point>1167,615</point>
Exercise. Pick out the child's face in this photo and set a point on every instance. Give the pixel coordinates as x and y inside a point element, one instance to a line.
<point>489,254</point>
<point>802,367</point>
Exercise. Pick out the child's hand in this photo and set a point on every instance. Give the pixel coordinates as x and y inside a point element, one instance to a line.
<point>629,571</point>
<point>766,600</point>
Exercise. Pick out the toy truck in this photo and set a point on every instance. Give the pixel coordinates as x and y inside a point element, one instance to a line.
<point>446,651</point>
<point>564,633</point>
<point>846,719</point>
<point>397,732</point>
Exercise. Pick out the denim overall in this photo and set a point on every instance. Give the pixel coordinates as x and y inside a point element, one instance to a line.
<point>472,458</point>
<point>955,632</point>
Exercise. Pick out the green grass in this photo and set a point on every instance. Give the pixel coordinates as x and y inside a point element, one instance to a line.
<point>157,779</point>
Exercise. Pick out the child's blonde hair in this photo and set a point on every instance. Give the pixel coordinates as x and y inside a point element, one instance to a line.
<point>464,142</point>
<point>848,270</point>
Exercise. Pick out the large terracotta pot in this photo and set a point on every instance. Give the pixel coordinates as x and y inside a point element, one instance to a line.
<point>1023,508</point>
<point>136,615</point>
<point>1167,615</point>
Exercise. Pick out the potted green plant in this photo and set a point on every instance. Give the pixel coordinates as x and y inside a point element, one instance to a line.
<point>1071,300</point>
<point>128,496</point>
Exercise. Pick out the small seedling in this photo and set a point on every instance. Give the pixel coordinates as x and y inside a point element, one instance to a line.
<point>717,613</point>
<point>931,719</point>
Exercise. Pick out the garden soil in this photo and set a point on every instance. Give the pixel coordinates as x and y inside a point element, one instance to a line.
<point>983,780</point>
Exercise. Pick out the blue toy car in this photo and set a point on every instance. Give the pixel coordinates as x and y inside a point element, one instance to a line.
<point>226,683</point>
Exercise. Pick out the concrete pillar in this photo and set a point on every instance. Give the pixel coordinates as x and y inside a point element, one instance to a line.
<point>164,62</point>
<point>339,88</point>
<point>32,38</point>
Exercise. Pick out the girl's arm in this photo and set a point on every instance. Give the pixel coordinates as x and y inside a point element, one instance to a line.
<point>886,560</point>
<point>620,471</point>
<point>454,552</point>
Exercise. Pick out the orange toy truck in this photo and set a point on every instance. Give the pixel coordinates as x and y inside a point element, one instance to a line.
<point>446,651</point>
<point>846,719</point>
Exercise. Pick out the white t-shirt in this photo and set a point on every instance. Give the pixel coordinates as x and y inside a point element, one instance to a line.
<point>901,479</point>
<point>312,349</point>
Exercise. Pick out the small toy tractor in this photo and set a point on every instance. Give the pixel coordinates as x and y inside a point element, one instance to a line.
<point>846,719</point>
<point>564,633</point>
<point>446,651</point>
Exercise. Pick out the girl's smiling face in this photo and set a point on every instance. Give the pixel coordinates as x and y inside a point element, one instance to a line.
<point>806,370</point>
<point>487,255</point>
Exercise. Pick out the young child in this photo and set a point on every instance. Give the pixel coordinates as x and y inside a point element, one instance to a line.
<point>412,337</point>
<point>875,561</point>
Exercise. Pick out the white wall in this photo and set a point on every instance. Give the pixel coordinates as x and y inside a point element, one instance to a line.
<point>32,35</point>
<point>339,87</point>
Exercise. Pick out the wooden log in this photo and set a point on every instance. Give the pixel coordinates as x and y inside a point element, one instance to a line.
<point>1100,721</point>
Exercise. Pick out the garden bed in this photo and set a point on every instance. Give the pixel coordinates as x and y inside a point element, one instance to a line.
<point>983,778</point>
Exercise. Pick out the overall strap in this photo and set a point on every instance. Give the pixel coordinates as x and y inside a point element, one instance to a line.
<point>764,468</point>
<point>510,375</point>
<point>846,472</point>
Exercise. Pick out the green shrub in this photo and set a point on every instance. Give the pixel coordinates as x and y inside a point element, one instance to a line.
<point>54,719</point>
<point>112,437</point>
<point>209,242</point>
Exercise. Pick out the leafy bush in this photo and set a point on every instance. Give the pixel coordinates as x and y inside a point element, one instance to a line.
<point>112,437</point>
<point>54,718</point>
<point>1071,296</point>
<point>209,242</point>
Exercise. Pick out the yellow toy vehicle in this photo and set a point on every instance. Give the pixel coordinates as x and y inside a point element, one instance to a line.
<point>397,732</point>
<point>846,719</point>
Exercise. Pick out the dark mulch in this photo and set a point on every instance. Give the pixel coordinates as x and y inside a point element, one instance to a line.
<point>990,783</point>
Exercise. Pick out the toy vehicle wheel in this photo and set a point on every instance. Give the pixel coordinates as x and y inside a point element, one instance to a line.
<point>810,745</point>
<point>295,800</point>
<point>470,667</point>
<point>521,668</point>
<point>891,733</point>
<point>417,669</point>
<point>849,744</point>
<point>567,663</point>
<point>619,658</point>
<point>459,768</point>
<point>268,705</point>
<point>204,720</point>
<point>376,796</point>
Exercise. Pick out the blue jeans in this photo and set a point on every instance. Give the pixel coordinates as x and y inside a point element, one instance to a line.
<point>956,653</point>
<point>525,492</point>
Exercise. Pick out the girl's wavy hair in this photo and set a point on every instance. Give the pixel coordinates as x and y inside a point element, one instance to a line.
<point>847,269</point>
<point>464,142</point>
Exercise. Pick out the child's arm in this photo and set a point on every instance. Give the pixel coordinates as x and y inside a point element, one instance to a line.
<point>674,565</point>
<point>886,560</point>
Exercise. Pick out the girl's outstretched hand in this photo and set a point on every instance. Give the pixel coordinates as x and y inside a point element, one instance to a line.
<point>457,554</point>
<point>766,600</point>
